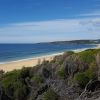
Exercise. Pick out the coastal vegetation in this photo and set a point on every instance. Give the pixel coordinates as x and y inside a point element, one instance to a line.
<point>71,76</point>
<point>50,95</point>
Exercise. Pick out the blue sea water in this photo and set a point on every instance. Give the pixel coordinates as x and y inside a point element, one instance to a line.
<point>12,52</point>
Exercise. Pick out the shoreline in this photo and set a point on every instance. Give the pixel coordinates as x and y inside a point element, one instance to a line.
<point>30,62</point>
<point>32,58</point>
<point>33,61</point>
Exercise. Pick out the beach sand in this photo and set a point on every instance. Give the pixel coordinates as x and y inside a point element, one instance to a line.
<point>32,61</point>
<point>25,63</point>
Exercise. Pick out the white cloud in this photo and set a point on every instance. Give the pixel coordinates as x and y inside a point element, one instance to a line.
<point>91,14</point>
<point>51,30</point>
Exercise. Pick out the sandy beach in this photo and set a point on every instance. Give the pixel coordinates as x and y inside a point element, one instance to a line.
<point>32,61</point>
<point>9,66</point>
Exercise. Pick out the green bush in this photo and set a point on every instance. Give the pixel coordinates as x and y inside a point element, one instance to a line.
<point>20,91</point>
<point>84,77</point>
<point>38,79</point>
<point>87,56</point>
<point>60,62</point>
<point>81,79</point>
<point>50,95</point>
<point>25,72</point>
<point>14,85</point>
<point>68,53</point>
<point>90,74</point>
<point>93,67</point>
<point>61,72</point>
<point>10,77</point>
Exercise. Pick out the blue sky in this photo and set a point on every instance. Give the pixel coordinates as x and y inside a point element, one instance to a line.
<point>29,21</point>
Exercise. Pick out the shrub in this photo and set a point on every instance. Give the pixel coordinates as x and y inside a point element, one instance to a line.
<point>20,91</point>
<point>90,74</point>
<point>13,85</point>
<point>61,72</point>
<point>84,77</point>
<point>93,67</point>
<point>68,53</point>
<point>60,62</point>
<point>46,73</point>
<point>50,95</point>
<point>25,72</point>
<point>38,79</point>
<point>10,77</point>
<point>81,79</point>
<point>1,73</point>
<point>87,56</point>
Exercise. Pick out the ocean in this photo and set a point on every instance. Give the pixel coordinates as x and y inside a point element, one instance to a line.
<point>14,52</point>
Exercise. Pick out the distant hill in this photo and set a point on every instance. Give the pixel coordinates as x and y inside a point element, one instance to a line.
<point>79,42</point>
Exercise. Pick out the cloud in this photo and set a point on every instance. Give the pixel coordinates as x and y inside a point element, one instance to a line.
<point>93,22</point>
<point>52,30</point>
<point>91,14</point>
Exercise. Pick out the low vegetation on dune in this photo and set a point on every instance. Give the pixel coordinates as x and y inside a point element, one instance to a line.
<point>71,76</point>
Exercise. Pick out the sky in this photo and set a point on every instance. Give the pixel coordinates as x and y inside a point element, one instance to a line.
<point>32,21</point>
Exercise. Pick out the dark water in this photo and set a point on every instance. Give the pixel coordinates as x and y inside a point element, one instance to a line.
<point>12,52</point>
